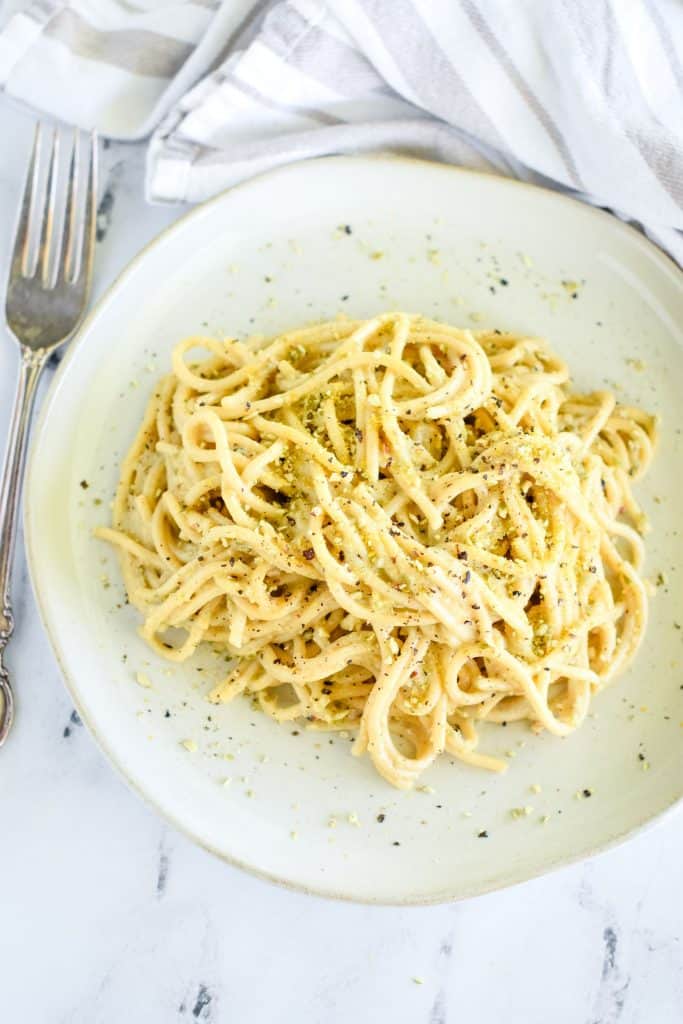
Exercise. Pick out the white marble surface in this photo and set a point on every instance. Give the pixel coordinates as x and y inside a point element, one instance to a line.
<point>107,915</point>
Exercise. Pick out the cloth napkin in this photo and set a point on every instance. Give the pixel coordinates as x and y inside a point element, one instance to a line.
<point>581,95</point>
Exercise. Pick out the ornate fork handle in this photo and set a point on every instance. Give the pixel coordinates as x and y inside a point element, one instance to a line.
<point>31,366</point>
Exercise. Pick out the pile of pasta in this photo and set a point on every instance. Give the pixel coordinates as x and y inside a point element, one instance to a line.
<point>396,527</point>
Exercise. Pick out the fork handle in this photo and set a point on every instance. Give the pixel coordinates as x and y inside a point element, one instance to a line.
<point>30,367</point>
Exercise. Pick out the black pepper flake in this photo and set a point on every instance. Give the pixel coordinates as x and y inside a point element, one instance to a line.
<point>641,757</point>
<point>309,554</point>
<point>167,714</point>
<point>462,555</point>
<point>347,229</point>
<point>504,281</point>
<point>483,834</point>
<point>381,817</point>
<point>587,793</point>
<point>84,484</point>
<point>395,843</point>
<point>344,298</point>
<point>467,577</point>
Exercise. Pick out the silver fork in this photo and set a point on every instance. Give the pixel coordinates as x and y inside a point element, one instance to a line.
<point>47,292</point>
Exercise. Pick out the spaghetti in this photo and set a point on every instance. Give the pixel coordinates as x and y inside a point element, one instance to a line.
<point>396,527</point>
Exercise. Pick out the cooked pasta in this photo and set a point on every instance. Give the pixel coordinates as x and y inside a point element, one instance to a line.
<point>395,527</point>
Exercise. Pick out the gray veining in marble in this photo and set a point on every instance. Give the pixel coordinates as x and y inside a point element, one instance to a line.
<point>111,917</point>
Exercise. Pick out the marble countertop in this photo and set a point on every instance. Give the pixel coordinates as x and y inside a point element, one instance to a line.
<point>107,915</point>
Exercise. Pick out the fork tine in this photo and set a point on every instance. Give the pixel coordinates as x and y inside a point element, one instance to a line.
<point>91,210</point>
<point>82,259</point>
<point>22,250</point>
<point>69,246</point>
<point>48,220</point>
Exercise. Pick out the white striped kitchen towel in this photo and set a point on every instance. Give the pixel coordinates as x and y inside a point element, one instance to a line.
<point>583,95</point>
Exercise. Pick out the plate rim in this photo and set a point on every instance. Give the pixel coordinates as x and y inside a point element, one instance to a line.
<point>511,878</point>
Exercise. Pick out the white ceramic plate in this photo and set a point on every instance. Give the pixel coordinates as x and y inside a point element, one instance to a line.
<point>273,254</point>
